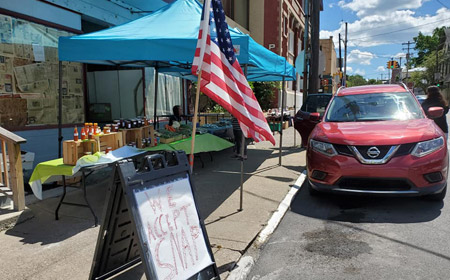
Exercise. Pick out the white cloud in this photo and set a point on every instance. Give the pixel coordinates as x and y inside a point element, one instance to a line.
<point>400,54</point>
<point>349,70</point>
<point>360,57</point>
<point>388,27</point>
<point>379,7</point>
<point>381,69</point>
<point>361,72</point>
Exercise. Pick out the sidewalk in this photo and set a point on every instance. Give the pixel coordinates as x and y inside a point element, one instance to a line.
<point>42,248</point>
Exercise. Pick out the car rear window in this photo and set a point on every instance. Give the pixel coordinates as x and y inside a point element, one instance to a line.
<point>374,107</point>
<point>316,103</point>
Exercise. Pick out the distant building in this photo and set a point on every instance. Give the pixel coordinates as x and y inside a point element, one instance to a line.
<point>330,74</point>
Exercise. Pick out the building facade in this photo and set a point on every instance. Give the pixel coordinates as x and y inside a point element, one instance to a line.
<point>279,26</point>
<point>29,69</point>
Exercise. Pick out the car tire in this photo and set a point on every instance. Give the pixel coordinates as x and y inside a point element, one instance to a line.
<point>437,196</point>
<point>311,190</point>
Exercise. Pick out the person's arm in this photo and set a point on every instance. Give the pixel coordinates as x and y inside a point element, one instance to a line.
<point>170,120</point>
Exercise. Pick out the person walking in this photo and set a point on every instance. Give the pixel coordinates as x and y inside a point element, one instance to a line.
<point>435,99</point>
<point>238,135</point>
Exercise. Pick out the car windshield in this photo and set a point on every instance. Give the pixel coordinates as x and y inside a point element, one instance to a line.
<point>374,107</point>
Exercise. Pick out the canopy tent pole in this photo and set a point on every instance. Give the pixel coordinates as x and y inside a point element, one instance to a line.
<point>156,96</point>
<point>185,92</point>
<point>118,89</point>
<point>194,121</point>
<point>60,137</point>
<point>281,122</point>
<point>295,111</point>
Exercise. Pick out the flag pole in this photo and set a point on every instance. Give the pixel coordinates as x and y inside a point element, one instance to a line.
<point>194,121</point>
<point>241,191</point>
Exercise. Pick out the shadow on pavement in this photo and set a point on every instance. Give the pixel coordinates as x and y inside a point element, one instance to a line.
<point>220,178</point>
<point>214,184</point>
<point>365,209</point>
<point>44,229</point>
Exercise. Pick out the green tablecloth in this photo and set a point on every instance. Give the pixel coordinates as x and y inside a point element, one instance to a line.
<point>160,147</point>
<point>46,169</point>
<point>203,143</point>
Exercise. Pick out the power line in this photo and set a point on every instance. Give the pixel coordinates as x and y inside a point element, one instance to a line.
<point>442,4</point>
<point>360,39</point>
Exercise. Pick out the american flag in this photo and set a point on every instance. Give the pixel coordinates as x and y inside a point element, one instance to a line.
<point>222,78</point>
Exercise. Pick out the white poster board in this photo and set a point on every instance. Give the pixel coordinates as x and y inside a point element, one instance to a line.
<point>172,230</point>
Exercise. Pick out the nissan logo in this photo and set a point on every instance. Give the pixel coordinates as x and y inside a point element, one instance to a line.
<point>373,152</point>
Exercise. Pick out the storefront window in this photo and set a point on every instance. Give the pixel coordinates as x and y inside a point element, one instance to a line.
<point>29,76</point>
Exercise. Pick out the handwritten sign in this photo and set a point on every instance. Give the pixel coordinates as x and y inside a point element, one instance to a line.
<point>172,230</point>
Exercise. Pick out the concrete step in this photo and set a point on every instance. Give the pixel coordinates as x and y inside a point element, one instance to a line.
<point>6,201</point>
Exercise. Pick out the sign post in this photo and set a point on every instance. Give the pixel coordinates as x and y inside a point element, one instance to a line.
<point>152,215</point>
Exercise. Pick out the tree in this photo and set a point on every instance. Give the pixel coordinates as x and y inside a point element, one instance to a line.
<point>426,44</point>
<point>373,82</point>
<point>265,92</point>
<point>355,80</point>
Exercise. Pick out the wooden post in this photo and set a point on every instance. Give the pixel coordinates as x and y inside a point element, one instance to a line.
<point>5,164</point>
<point>15,167</point>
<point>194,121</point>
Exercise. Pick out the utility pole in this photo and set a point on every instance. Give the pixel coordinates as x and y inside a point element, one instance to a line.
<point>315,47</point>
<point>391,70</point>
<point>344,78</point>
<point>407,58</point>
<point>305,48</point>
<point>340,57</point>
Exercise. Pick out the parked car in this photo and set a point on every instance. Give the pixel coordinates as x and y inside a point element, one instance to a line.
<point>377,140</point>
<point>421,98</point>
<point>315,103</point>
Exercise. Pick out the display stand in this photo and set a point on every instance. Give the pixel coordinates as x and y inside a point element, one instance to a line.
<point>151,216</point>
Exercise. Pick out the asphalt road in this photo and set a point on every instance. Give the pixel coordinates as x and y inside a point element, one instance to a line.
<point>346,237</point>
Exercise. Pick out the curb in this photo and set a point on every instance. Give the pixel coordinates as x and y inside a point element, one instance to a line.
<point>245,263</point>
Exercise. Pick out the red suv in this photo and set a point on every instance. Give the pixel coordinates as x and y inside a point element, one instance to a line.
<point>377,140</point>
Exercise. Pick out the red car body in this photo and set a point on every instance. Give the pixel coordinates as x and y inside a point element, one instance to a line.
<point>401,166</point>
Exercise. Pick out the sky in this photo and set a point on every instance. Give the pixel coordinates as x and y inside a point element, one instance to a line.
<point>377,30</point>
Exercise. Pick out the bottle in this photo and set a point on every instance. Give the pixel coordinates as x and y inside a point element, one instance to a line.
<point>83,134</point>
<point>75,134</point>
<point>91,132</point>
<point>86,126</point>
<point>95,129</point>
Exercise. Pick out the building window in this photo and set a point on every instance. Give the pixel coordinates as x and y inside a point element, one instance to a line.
<point>285,26</point>
<point>29,76</point>
<point>291,44</point>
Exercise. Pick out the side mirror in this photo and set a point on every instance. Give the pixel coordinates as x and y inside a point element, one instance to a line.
<point>435,112</point>
<point>314,117</point>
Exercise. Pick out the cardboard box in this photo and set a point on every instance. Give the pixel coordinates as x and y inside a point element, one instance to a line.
<point>73,150</point>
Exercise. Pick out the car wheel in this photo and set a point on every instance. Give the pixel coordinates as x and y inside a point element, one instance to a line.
<point>311,190</point>
<point>437,196</point>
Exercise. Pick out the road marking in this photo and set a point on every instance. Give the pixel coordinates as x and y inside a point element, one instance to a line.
<point>245,264</point>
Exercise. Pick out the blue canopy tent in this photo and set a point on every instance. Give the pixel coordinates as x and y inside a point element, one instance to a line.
<point>166,40</point>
